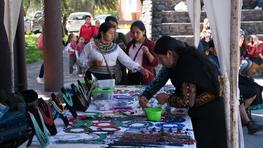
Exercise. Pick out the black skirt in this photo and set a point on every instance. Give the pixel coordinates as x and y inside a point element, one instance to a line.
<point>209,124</point>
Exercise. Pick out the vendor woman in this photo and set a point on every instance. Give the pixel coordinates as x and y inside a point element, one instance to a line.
<point>197,88</point>
<point>102,54</point>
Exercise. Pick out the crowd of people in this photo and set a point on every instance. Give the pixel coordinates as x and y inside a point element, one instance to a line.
<point>102,51</point>
<point>251,64</point>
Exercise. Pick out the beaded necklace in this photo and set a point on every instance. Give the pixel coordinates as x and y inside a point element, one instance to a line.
<point>82,123</point>
<point>79,129</point>
<point>44,108</point>
<point>67,98</point>
<point>133,124</point>
<point>57,108</point>
<point>170,125</point>
<point>78,94</point>
<point>41,135</point>
<point>105,47</point>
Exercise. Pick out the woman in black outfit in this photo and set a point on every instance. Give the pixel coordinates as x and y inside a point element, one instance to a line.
<point>197,88</point>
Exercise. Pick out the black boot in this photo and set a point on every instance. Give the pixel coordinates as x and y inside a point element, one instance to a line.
<point>252,127</point>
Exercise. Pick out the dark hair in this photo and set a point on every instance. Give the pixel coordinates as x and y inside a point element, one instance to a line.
<point>79,38</point>
<point>166,43</point>
<point>86,16</point>
<point>211,44</point>
<point>70,36</point>
<point>140,25</point>
<point>104,27</point>
<point>111,18</point>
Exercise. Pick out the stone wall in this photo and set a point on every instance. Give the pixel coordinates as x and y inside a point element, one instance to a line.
<point>161,19</point>
<point>147,16</point>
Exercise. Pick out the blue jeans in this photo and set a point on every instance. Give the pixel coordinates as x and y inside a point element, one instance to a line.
<point>258,3</point>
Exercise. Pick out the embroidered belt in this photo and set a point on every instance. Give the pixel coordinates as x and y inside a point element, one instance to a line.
<point>204,98</point>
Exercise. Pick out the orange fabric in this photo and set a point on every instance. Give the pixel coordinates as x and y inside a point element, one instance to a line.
<point>252,70</point>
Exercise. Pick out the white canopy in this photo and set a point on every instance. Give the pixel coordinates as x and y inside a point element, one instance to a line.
<point>222,15</point>
<point>12,10</point>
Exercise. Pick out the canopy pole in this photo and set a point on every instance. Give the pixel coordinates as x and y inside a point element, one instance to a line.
<point>234,67</point>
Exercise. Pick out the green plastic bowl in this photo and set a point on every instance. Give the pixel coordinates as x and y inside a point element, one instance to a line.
<point>154,114</point>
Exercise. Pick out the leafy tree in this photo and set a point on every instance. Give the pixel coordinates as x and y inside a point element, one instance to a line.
<point>28,3</point>
<point>106,4</point>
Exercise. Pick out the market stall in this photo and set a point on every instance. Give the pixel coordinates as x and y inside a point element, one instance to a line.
<point>118,121</point>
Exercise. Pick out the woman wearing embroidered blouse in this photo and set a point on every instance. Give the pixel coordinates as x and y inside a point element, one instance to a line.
<point>140,49</point>
<point>102,54</point>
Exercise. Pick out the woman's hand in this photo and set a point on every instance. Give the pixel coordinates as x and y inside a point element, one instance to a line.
<point>145,49</point>
<point>122,46</point>
<point>143,102</point>
<point>146,73</point>
<point>162,98</point>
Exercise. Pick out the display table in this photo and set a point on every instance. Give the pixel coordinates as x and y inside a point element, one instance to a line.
<point>124,127</point>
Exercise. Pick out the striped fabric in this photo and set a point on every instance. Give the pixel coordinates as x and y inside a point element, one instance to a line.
<point>102,69</point>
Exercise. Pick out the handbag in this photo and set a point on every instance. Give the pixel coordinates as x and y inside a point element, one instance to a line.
<point>15,126</point>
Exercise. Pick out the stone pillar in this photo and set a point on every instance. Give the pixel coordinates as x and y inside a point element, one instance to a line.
<point>53,56</point>
<point>147,11</point>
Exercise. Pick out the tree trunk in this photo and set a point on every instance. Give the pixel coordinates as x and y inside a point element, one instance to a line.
<point>53,57</point>
<point>65,14</point>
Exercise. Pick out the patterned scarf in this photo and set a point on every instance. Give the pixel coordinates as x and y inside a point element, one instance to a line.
<point>105,47</point>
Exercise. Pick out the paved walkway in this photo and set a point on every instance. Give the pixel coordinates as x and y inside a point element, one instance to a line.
<point>251,141</point>
<point>33,72</point>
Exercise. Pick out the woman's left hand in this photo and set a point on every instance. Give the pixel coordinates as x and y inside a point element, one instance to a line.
<point>162,98</point>
<point>145,72</point>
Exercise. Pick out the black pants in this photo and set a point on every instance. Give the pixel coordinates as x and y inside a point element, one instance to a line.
<point>209,124</point>
<point>41,72</point>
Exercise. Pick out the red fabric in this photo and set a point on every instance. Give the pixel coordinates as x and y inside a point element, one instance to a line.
<point>88,31</point>
<point>70,47</point>
<point>40,44</point>
<point>145,62</point>
<point>255,50</point>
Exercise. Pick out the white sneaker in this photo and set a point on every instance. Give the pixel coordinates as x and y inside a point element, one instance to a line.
<point>40,80</point>
<point>81,75</point>
<point>258,8</point>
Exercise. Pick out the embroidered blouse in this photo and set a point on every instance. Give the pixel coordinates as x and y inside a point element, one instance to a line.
<point>91,53</point>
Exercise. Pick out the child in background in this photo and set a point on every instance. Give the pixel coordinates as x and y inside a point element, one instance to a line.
<point>78,50</point>
<point>97,24</point>
<point>70,48</point>
<point>40,46</point>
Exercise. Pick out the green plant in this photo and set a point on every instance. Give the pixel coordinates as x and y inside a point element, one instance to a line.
<point>33,54</point>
